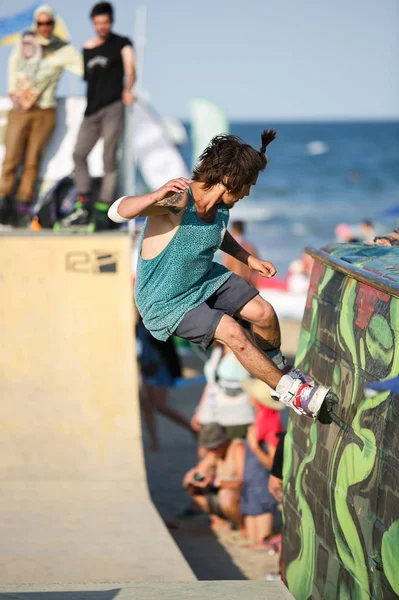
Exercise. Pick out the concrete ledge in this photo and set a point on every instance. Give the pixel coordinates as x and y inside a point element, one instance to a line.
<point>210,590</point>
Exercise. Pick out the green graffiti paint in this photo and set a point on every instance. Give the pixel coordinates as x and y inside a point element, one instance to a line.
<point>389,554</point>
<point>379,340</point>
<point>350,335</point>
<point>300,571</point>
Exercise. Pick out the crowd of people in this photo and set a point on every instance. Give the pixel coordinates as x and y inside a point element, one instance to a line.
<point>237,424</point>
<point>238,429</point>
<point>36,63</point>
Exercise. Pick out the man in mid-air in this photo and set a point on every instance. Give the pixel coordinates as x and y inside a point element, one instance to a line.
<point>181,291</point>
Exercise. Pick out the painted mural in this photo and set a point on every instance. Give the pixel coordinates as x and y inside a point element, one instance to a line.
<point>341,481</point>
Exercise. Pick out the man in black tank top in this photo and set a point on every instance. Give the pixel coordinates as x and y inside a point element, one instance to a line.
<point>109,69</point>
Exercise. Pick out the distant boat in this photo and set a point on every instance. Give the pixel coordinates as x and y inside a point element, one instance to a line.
<point>317,147</point>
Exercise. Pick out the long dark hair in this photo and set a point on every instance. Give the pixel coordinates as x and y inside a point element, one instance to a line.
<point>229,160</point>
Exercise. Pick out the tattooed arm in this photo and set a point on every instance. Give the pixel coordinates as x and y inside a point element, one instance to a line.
<point>168,200</point>
<point>263,267</point>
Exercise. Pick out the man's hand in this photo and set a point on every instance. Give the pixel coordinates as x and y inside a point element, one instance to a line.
<point>128,98</point>
<point>13,98</point>
<point>189,479</point>
<point>195,426</point>
<point>252,437</point>
<point>173,186</point>
<point>263,267</point>
<point>276,488</point>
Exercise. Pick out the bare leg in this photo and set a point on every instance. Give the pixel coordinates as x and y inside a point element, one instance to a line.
<point>265,325</point>
<point>200,501</point>
<point>160,395</point>
<point>293,388</point>
<point>264,526</point>
<point>255,362</point>
<point>230,505</point>
<point>250,526</point>
<point>149,415</point>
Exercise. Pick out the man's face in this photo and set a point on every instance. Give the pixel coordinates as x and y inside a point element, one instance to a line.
<point>229,199</point>
<point>102,25</point>
<point>28,46</point>
<point>45,25</point>
<point>220,451</point>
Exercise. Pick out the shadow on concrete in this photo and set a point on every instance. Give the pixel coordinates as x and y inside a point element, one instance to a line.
<point>70,595</point>
<point>204,552</point>
<point>165,470</point>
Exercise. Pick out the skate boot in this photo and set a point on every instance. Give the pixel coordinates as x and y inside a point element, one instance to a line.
<point>22,214</point>
<point>295,373</point>
<point>314,401</point>
<point>3,210</point>
<point>80,215</point>
<point>281,363</point>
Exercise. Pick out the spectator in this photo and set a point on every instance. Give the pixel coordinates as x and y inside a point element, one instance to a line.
<point>215,483</point>
<point>160,367</point>
<point>35,66</point>
<point>234,265</point>
<point>257,504</point>
<point>109,69</point>
<point>392,239</point>
<point>223,400</point>
<point>344,233</point>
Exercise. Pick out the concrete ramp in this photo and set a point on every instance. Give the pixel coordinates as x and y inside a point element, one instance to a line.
<point>198,590</point>
<point>74,505</point>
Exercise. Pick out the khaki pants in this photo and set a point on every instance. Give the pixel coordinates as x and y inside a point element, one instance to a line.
<point>27,134</point>
<point>106,123</point>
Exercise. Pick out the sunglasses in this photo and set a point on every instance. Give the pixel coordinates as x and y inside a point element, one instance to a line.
<point>44,23</point>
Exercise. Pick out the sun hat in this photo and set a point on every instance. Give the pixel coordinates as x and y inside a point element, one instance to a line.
<point>260,391</point>
<point>211,436</point>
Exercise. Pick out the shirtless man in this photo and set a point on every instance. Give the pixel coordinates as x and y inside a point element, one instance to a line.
<point>181,291</point>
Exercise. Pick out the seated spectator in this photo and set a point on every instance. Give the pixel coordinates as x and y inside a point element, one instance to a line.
<point>160,366</point>
<point>223,400</point>
<point>257,503</point>
<point>392,239</point>
<point>215,483</point>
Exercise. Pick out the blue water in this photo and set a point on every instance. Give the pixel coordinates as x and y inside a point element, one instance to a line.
<point>300,198</point>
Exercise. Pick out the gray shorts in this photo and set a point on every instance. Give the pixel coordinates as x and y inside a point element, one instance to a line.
<point>199,324</point>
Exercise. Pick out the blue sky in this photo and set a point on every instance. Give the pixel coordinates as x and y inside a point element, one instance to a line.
<point>287,60</point>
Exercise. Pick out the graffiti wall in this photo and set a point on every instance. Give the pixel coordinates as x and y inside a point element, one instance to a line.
<point>341,481</point>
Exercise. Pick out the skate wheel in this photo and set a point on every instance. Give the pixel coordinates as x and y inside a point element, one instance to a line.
<point>325,413</point>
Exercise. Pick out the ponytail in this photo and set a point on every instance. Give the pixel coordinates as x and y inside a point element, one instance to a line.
<point>268,135</point>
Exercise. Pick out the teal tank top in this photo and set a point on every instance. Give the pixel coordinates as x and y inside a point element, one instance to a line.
<point>183,275</point>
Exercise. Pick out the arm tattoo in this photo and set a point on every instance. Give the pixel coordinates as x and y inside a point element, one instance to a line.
<point>173,203</point>
<point>230,246</point>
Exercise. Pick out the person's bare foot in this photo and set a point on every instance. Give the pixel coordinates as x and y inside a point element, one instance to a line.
<point>218,524</point>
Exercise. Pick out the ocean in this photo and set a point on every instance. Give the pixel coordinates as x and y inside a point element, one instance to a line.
<point>319,175</point>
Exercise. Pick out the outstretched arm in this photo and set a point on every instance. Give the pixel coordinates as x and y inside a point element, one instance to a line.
<point>230,246</point>
<point>234,249</point>
<point>169,199</point>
